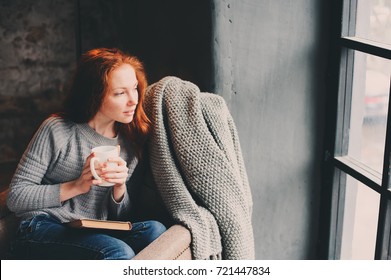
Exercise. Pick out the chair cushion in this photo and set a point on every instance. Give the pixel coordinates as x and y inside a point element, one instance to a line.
<point>173,244</point>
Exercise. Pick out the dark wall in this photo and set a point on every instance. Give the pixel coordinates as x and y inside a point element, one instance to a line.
<point>37,54</point>
<point>170,37</point>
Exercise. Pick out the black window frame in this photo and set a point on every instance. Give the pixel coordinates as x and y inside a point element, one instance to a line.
<point>336,164</point>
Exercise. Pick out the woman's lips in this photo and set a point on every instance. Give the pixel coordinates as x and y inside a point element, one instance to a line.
<point>129,113</point>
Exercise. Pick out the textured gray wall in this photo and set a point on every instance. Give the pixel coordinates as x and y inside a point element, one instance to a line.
<point>37,43</point>
<point>268,59</point>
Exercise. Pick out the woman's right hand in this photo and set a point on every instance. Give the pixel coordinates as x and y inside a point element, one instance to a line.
<point>86,180</point>
<point>82,184</point>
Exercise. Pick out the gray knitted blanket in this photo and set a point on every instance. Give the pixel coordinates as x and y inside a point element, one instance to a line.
<point>197,164</point>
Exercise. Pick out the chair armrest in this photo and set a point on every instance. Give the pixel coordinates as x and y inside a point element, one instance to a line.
<point>8,226</point>
<point>173,244</point>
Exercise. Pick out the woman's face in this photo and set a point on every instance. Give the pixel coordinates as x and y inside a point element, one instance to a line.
<point>121,97</point>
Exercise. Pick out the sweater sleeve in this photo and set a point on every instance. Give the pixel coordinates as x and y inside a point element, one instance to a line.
<point>119,210</point>
<point>27,190</point>
<point>122,210</point>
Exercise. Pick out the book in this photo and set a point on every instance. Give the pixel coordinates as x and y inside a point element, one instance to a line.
<point>102,224</point>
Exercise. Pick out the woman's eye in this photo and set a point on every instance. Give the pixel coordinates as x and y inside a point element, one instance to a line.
<point>119,93</point>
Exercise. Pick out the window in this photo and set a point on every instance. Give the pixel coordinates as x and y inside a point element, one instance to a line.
<point>358,137</point>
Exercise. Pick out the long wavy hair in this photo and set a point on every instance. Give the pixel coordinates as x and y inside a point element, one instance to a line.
<point>90,85</point>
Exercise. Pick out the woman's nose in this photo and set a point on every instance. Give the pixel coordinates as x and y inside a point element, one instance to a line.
<point>132,99</point>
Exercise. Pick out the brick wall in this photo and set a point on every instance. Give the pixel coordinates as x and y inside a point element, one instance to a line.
<point>37,57</point>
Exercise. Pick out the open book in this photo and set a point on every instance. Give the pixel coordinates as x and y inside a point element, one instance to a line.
<point>102,224</point>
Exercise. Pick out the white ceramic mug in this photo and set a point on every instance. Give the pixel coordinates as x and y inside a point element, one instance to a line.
<point>102,154</point>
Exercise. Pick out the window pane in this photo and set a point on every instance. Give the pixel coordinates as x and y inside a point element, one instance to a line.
<point>369,106</point>
<point>373,20</point>
<point>360,218</point>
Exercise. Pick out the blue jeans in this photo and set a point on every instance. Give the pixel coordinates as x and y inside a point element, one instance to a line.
<point>44,237</point>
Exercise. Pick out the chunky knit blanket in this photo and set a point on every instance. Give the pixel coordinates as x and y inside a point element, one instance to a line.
<point>197,164</point>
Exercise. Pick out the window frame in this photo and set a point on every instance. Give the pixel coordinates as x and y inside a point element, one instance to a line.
<point>336,162</point>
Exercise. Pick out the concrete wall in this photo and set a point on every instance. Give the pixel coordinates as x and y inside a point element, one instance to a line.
<point>264,57</point>
<point>37,55</point>
<point>268,67</point>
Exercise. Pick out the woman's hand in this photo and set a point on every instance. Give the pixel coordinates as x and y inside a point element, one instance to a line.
<point>82,184</point>
<point>116,173</point>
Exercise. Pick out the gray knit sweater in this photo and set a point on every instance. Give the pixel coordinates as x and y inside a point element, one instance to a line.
<point>198,167</point>
<point>57,154</point>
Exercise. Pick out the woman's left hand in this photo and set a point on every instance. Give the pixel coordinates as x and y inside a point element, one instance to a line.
<point>116,173</point>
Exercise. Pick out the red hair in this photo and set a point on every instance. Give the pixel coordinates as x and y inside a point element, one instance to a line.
<point>89,88</point>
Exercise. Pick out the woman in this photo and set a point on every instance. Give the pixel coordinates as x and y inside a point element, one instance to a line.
<point>53,183</point>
